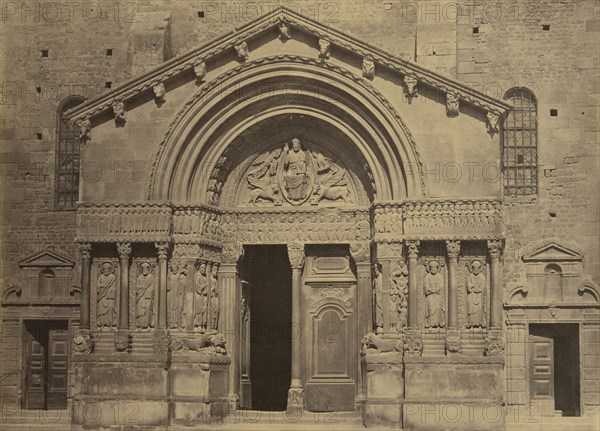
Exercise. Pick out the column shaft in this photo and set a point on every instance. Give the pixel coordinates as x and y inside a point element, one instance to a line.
<point>162,285</point>
<point>453,248</point>
<point>229,289</point>
<point>495,249</point>
<point>413,306</point>
<point>124,252</point>
<point>84,310</point>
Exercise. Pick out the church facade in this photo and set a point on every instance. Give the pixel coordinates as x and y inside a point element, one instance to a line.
<point>301,221</point>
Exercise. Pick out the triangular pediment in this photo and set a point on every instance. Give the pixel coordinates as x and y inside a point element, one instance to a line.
<point>269,25</point>
<point>553,252</point>
<point>46,259</point>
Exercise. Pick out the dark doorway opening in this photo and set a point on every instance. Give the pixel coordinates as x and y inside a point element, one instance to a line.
<point>46,360</point>
<point>270,275</point>
<point>565,365</point>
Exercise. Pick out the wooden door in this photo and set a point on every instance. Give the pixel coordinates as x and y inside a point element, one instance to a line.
<point>330,350</point>
<point>541,373</point>
<point>57,369</point>
<point>36,367</point>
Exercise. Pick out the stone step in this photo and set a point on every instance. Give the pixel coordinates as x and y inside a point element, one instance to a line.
<point>556,424</point>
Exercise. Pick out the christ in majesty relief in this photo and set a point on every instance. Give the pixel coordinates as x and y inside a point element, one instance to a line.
<point>295,174</point>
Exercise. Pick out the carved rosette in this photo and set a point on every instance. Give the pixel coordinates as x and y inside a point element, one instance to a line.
<point>242,51</point>
<point>494,346</point>
<point>118,108</point>
<point>122,340</point>
<point>83,342</point>
<point>324,49</point>
<point>361,252</point>
<point>85,130</point>
<point>453,341</point>
<point>413,343</point>
<point>200,72</point>
<point>410,85</point>
<point>452,104</point>
<point>284,31</point>
<point>492,123</point>
<point>368,68</point>
<point>296,255</point>
<point>160,94</point>
<point>161,342</point>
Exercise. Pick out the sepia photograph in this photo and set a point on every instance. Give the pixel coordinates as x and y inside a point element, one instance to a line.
<point>306,215</point>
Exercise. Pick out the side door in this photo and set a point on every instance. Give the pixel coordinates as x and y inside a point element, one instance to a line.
<point>35,366</point>
<point>57,368</point>
<point>541,373</point>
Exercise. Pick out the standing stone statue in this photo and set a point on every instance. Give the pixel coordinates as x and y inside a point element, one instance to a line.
<point>144,304</point>
<point>201,292</point>
<point>475,285</point>
<point>295,168</point>
<point>214,297</point>
<point>175,295</point>
<point>378,297</point>
<point>434,287</point>
<point>107,296</point>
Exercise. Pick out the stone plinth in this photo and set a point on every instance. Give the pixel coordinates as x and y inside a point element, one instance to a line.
<point>451,393</point>
<point>383,389</point>
<point>198,386</point>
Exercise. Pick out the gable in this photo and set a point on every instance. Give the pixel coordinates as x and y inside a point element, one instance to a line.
<point>283,23</point>
<point>553,252</point>
<point>46,259</point>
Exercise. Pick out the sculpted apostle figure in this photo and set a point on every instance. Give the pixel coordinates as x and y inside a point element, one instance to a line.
<point>201,290</point>
<point>175,295</point>
<point>107,296</point>
<point>434,286</point>
<point>378,297</point>
<point>144,304</point>
<point>475,284</point>
<point>214,297</point>
<point>295,176</point>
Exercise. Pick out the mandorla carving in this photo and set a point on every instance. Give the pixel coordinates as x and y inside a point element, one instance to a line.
<point>294,175</point>
<point>83,342</point>
<point>211,343</point>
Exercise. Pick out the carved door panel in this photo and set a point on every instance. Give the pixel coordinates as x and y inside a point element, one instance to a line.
<point>57,369</point>
<point>245,382</point>
<point>541,373</point>
<point>35,378</point>
<point>330,353</point>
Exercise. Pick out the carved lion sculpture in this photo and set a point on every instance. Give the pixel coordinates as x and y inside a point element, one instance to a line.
<point>209,343</point>
<point>373,343</point>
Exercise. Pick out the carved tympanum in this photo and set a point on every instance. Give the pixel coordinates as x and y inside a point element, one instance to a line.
<point>106,311</point>
<point>475,285</point>
<point>144,302</point>
<point>294,175</point>
<point>434,287</point>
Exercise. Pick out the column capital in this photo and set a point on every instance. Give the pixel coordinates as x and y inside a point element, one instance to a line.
<point>413,248</point>
<point>495,248</point>
<point>389,250</point>
<point>231,252</point>
<point>453,249</point>
<point>296,255</point>
<point>162,248</point>
<point>124,249</point>
<point>360,251</point>
<point>85,249</point>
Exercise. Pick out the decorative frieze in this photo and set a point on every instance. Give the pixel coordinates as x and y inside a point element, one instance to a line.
<point>196,224</point>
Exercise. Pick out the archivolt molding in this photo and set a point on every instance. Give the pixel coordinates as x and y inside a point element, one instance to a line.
<point>364,93</point>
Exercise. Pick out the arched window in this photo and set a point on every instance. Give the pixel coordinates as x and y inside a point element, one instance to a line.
<point>519,141</point>
<point>67,157</point>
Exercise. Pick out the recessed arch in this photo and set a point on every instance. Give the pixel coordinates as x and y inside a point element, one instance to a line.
<point>217,114</point>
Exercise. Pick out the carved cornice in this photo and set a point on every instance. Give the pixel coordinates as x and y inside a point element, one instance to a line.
<point>186,61</point>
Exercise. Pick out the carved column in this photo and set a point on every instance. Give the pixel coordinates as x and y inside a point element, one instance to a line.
<point>413,344</point>
<point>295,404</point>
<point>453,333</point>
<point>162,284</point>
<point>229,289</point>
<point>84,310</point>
<point>494,344</point>
<point>361,254</point>
<point>122,335</point>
